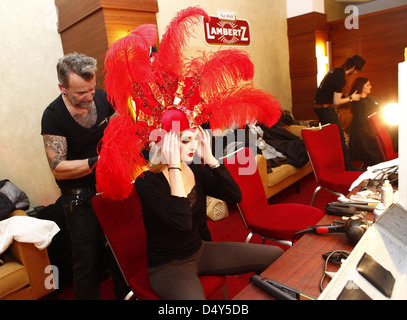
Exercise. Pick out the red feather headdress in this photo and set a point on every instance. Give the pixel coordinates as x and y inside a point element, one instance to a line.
<point>215,87</point>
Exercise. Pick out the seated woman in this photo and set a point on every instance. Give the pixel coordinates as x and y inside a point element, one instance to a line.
<point>362,144</point>
<point>173,198</point>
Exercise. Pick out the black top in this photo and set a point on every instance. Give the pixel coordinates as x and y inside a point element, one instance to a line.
<point>362,143</point>
<point>82,142</point>
<point>334,81</point>
<point>176,225</point>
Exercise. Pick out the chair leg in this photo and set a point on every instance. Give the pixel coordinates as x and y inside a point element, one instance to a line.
<point>327,189</point>
<point>314,195</point>
<point>334,192</point>
<point>249,237</point>
<point>242,216</point>
<point>225,292</point>
<point>129,296</point>
<point>285,242</point>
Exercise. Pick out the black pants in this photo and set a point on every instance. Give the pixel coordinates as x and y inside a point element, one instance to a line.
<point>178,279</point>
<point>89,252</point>
<point>328,115</point>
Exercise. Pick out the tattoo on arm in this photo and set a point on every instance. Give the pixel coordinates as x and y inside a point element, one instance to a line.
<point>56,149</point>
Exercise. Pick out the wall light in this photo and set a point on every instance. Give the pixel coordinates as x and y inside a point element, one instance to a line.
<point>321,52</point>
<point>118,34</point>
<point>392,113</point>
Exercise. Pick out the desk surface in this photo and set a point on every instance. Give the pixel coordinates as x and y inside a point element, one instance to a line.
<point>302,266</point>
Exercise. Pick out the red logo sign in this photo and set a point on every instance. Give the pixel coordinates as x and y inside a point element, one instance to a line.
<point>220,32</point>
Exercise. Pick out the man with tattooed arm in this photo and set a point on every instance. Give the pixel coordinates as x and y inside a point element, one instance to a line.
<point>72,126</point>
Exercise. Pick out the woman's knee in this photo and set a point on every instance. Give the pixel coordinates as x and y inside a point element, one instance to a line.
<point>176,284</point>
<point>238,257</point>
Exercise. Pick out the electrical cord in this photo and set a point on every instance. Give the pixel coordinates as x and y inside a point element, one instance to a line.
<point>330,257</point>
<point>385,173</point>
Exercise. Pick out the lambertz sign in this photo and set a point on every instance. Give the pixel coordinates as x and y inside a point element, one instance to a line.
<point>225,29</point>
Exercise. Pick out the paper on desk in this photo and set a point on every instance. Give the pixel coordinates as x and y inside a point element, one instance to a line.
<point>371,172</point>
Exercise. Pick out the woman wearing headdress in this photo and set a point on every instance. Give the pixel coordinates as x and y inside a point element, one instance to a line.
<point>173,198</point>
<point>161,102</point>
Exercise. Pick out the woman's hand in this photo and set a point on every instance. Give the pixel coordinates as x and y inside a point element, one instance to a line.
<point>171,150</point>
<point>171,154</point>
<point>205,148</point>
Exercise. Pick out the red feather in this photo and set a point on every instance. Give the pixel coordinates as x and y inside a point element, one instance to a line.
<point>221,70</point>
<point>174,40</point>
<point>240,106</point>
<point>120,159</point>
<point>127,61</point>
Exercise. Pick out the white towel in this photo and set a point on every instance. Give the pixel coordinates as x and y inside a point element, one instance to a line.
<point>27,229</point>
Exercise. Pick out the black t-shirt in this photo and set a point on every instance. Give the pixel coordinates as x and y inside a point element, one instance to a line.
<point>82,142</point>
<point>334,81</point>
<point>176,225</point>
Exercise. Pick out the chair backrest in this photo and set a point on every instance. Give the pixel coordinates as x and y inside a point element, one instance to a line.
<point>324,149</point>
<point>382,137</point>
<point>243,168</point>
<point>122,224</point>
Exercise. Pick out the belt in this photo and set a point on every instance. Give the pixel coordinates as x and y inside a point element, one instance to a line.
<point>328,106</point>
<point>76,191</point>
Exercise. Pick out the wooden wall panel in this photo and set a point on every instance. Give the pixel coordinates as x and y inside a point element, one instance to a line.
<point>91,26</point>
<point>88,36</point>
<point>72,11</point>
<point>380,40</point>
<point>303,97</point>
<point>302,55</point>
<point>135,5</point>
<point>121,22</point>
<point>303,62</point>
<point>307,23</point>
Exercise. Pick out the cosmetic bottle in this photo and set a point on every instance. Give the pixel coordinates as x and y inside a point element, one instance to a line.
<point>387,194</point>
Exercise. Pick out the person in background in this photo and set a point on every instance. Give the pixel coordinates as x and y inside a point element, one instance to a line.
<point>362,144</point>
<point>329,96</point>
<point>72,126</point>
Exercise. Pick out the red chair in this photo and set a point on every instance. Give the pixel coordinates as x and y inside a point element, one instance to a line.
<point>325,152</point>
<point>277,222</point>
<point>382,137</point>
<point>123,226</point>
